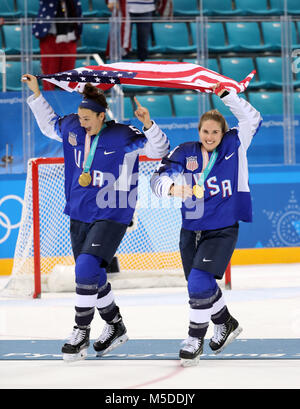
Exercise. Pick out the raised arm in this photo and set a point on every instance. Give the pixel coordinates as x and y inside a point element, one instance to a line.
<point>44,114</point>
<point>249,119</point>
<point>157,145</point>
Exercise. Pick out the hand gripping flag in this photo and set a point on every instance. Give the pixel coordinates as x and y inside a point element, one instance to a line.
<point>166,74</point>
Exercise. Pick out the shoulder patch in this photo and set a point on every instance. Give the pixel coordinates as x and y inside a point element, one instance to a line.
<point>72,139</point>
<point>192,163</point>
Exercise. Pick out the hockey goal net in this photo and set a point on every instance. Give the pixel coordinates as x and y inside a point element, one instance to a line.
<point>148,255</point>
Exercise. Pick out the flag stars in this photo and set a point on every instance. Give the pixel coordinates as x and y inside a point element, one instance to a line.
<point>84,75</point>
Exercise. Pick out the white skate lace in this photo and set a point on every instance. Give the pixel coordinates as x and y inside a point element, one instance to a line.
<point>108,330</point>
<point>77,336</point>
<point>191,344</point>
<point>219,332</point>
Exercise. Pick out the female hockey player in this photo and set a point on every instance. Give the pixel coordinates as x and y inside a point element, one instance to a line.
<point>101,176</point>
<point>215,195</point>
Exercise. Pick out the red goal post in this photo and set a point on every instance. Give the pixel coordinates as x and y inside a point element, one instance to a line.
<point>36,219</point>
<point>148,254</point>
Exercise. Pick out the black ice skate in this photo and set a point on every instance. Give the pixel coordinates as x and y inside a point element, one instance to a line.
<point>77,345</point>
<point>113,335</point>
<point>191,350</point>
<point>224,334</point>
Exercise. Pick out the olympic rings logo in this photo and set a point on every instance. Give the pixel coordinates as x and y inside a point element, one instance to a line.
<point>4,219</point>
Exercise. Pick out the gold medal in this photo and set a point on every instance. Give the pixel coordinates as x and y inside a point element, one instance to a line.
<point>85,179</point>
<point>198,191</point>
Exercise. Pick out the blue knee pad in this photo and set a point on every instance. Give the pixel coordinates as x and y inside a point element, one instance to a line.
<point>88,270</point>
<point>201,284</point>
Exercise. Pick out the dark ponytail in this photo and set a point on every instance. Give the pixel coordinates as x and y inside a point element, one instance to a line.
<point>95,94</point>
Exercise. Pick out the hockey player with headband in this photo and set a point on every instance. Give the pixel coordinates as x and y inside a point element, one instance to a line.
<point>211,177</point>
<point>101,177</point>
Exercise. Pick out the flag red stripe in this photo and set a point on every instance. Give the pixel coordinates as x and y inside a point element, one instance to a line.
<point>155,74</point>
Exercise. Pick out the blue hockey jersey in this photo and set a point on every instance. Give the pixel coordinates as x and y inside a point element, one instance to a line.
<point>112,193</point>
<point>226,190</point>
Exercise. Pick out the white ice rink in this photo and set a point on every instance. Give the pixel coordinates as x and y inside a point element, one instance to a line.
<point>265,300</point>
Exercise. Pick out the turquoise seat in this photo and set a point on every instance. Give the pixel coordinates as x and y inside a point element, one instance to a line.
<point>14,72</point>
<point>32,7</point>
<point>128,108</point>
<point>94,38</point>
<point>244,36</point>
<point>293,6</point>
<point>216,40</point>
<point>267,103</point>
<point>237,68</point>
<point>185,8</point>
<point>217,7</point>
<point>100,8</point>
<point>271,31</point>
<point>12,40</point>
<point>171,38</point>
<point>253,7</point>
<point>7,9</point>
<point>13,76</point>
<point>87,10</point>
<point>269,71</point>
<point>186,104</point>
<point>158,105</point>
<point>213,65</point>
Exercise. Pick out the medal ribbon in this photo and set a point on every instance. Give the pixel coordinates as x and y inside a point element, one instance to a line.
<point>208,167</point>
<point>90,158</point>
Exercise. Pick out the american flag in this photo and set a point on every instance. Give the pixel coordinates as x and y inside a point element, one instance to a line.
<point>166,74</point>
<point>74,80</point>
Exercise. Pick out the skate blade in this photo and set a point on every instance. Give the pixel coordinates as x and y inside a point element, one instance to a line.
<point>75,357</point>
<point>230,339</point>
<point>118,342</point>
<point>187,363</point>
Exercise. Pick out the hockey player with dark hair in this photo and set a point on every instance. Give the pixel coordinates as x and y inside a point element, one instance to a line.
<point>216,196</point>
<point>101,177</point>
